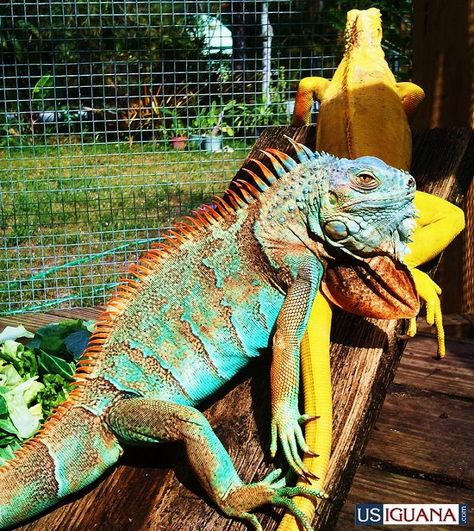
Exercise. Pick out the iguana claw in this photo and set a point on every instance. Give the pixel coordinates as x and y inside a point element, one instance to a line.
<point>245,498</point>
<point>429,291</point>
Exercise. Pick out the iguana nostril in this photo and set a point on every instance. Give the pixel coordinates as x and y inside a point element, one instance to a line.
<point>337,230</point>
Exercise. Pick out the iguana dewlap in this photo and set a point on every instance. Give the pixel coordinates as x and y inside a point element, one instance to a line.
<point>232,282</point>
<point>364,111</point>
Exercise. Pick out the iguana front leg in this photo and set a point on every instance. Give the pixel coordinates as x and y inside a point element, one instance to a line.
<point>438,224</point>
<point>316,373</point>
<point>285,372</point>
<point>310,89</point>
<point>141,420</point>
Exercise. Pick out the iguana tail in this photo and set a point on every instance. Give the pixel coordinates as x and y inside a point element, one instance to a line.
<point>72,450</point>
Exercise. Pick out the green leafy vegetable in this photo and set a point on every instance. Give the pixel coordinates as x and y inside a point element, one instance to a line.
<point>35,378</point>
<point>56,365</point>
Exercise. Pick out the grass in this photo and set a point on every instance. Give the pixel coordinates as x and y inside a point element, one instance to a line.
<point>92,207</point>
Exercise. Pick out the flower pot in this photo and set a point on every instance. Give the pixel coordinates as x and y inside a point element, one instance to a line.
<point>212,143</point>
<point>178,142</point>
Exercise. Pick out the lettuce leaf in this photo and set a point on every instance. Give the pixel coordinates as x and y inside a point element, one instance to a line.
<point>35,378</point>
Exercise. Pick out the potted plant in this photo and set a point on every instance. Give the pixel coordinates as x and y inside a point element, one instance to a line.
<point>175,128</point>
<point>211,125</point>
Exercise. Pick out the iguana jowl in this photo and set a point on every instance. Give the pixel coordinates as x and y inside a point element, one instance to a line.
<point>233,281</point>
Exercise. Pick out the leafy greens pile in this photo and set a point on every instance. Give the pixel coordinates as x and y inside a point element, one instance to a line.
<point>36,377</point>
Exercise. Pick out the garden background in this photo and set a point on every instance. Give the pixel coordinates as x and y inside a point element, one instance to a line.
<point>117,117</point>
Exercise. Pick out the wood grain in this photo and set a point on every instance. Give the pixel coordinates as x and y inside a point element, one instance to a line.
<point>379,486</point>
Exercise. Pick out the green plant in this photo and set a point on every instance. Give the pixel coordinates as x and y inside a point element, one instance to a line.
<point>41,91</point>
<point>213,120</point>
<point>174,125</point>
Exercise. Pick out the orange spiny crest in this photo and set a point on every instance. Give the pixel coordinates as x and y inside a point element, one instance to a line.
<point>154,252</point>
<point>262,185</point>
<point>266,172</point>
<point>193,221</point>
<point>172,244</point>
<point>96,341</point>
<point>201,218</point>
<point>243,192</point>
<point>253,191</point>
<point>235,200</point>
<point>141,268</point>
<point>275,163</point>
<point>211,211</point>
<point>99,334</point>
<point>175,234</point>
<point>287,161</point>
<point>130,282</point>
<point>163,247</point>
<point>116,301</point>
<point>85,369</point>
<point>148,262</point>
<point>113,310</point>
<point>204,216</point>
<point>185,229</point>
<point>223,208</point>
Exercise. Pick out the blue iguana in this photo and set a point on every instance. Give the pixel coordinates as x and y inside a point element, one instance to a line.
<point>230,282</point>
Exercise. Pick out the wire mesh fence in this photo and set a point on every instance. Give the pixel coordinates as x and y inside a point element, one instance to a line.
<point>117,117</point>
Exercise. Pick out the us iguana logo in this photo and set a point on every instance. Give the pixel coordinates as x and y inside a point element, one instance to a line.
<point>237,277</point>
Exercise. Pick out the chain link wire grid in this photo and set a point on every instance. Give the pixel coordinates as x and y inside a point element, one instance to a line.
<point>118,117</point>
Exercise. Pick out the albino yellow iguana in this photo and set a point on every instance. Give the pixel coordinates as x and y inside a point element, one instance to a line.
<point>364,111</point>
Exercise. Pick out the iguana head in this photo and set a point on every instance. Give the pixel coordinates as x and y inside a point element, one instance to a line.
<point>356,216</point>
<point>363,29</point>
<point>367,207</point>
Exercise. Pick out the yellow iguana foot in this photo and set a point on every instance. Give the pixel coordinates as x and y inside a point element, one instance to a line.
<point>429,292</point>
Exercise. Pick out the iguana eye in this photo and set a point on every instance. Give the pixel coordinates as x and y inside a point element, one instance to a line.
<point>366,181</point>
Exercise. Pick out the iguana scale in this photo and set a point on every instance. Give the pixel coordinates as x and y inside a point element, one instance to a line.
<point>364,111</point>
<point>231,281</point>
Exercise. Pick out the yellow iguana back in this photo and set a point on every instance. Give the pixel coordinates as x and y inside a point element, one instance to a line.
<point>364,111</point>
<point>363,108</point>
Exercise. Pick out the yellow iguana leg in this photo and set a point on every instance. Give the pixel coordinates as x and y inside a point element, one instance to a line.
<point>316,373</point>
<point>309,90</point>
<point>438,224</point>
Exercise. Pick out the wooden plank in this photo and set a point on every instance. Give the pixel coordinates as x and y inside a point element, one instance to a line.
<point>31,321</point>
<point>426,435</point>
<point>379,486</point>
<point>453,375</point>
<point>86,314</point>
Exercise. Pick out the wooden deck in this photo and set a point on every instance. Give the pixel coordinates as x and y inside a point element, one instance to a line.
<point>421,450</point>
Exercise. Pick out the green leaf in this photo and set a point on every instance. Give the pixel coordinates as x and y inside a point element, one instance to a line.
<point>3,406</point>
<point>14,332</point>
<point>25,422</point>
<point>9,377</point>
<point>56,365</point>
<point>55,391</point>
<point>50,338</point>
<point>8,452</point>
<point>10,350</point>
<point>76,342</point>
<point>7,425</point>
